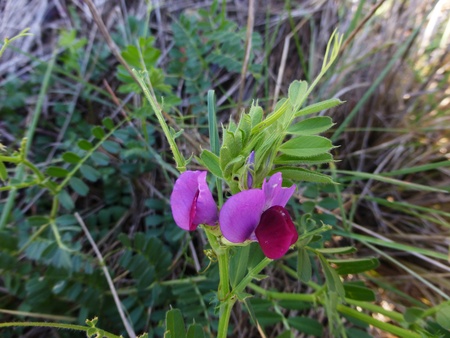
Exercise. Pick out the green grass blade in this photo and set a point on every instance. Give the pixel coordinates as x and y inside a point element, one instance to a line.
<point>381,178</point>
<point>29,138</point>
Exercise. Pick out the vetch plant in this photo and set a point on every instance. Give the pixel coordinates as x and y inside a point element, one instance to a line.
<point>258,162</point>
<point>254,170</point>
<point>240,201</point>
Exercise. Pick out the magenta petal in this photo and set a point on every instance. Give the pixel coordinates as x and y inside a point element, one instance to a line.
<point>241,214</point>
<point>276,232</point>
<point>206,206</point>
<point>192,202</point>
<point>275,193</point>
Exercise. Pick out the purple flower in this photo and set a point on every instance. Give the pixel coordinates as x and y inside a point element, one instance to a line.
<point>192,202</point>
<point>259,214</point>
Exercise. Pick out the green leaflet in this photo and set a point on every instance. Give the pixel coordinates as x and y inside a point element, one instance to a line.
<point>301,174</point>
<point>79,186</point>
<point>3,172</point>
<point>304,268</point>
<point>211,162</point>
<point>175,324</point>
<point>305,146</point>
<point>319,106</point>
<point>297,93</point>
<point>309,160</point>
<point>71,157</point>
<point>333,281</point>
<point>359,292</point>
<point>311,126</point>
<point>357,265</point>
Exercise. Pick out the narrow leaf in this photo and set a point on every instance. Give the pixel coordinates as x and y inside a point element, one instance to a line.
<point>381,178</point>
<point>98,132</point>
<point>65,200</point>
<point>301,174</point>
<point>319,106</point>
<point>212,123</point>
<point>306,146</point>
<point>304,268</point>
<point>318,159</point>
<point>272,118</point>
<point>337,251</point>
<point>108,123</point>
<point>239,265</point>
<point>79,186</point>
<point>111,146</point>
<point>195,331</point>
<point>443,317</point>
<point>358,292</point>
<point>352,266</point>
<point>71,157</point>
<point>413,314</point>
<point>3,172</point>
<point>175,323</point>
<point>89,173</point>
<point>85,145</point>
<point>297,93</point>
<point>211,161</point>
<point>100,159</point>
<point>311,126</point>
<point>286,334</point>
<point>57,172</point>
<point>333,281</point>
<point>307,325</point>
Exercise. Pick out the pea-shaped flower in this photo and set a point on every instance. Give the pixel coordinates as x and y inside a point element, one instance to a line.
<point>259,214</point>
<point>192,202</point>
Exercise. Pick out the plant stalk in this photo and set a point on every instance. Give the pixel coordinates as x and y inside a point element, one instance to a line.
<point>57,326</point>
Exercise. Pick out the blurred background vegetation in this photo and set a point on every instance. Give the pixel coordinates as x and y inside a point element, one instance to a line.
<point>89,129</point>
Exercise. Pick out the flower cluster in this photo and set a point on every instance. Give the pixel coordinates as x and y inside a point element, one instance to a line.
<point>250,215</point>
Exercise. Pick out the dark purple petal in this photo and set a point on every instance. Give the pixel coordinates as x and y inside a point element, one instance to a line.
<point>192,202</point>
<point>274,193</point>
<point>276,232</point>
<point>240,215</point>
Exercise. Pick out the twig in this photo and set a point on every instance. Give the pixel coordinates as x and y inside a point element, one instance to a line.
<point>361,25</point>
<point>108,277</point>
<point>284,56</point>
<point>110,42</point>
<point>248,49</point>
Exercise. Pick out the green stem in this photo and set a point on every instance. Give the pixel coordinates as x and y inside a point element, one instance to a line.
<point>398,331</point>
<point>86,157</point>
<point>20,160</point>
<point>226,302</point>
<point>35,235</point>
<point>57,326</point>
<point>224,317</point>
<point>284,296</point>
<point>394,315</point>
<point>19,186</point>
<point>34,169</point>
<point>8,41</point>
<point>29,137</point>
<point>251,275</point>
<point>179,159</point>
<point>10,159</point>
